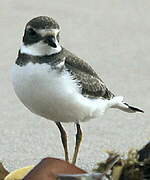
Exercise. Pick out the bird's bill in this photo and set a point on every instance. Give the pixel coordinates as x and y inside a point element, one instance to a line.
<point>51,41</point>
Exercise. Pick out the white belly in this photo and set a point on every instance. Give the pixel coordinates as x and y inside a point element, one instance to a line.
<point>53,95</point>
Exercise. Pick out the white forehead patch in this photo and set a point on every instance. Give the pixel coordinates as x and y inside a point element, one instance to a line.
<point>44,32</point>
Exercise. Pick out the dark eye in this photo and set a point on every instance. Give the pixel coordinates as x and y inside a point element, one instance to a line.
<point>31,32</point>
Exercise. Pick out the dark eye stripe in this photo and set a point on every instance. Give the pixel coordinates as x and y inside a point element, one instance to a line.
<point>31,36</point>
<point>31,32</point>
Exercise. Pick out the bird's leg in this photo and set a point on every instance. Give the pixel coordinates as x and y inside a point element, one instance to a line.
<point>64,139</point>
<point>78,142</point>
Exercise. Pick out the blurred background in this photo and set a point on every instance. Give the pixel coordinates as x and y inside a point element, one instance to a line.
<point>114,37</point>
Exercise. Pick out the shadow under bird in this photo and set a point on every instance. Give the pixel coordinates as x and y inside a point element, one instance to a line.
<point>54,83</point>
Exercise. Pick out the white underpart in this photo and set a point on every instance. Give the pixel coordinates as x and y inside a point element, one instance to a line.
<point>55,95</point>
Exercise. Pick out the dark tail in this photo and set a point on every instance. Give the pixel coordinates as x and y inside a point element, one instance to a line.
<point>117,102</point>
<point>134,109</point>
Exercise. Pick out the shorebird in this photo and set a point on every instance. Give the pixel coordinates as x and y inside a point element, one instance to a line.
<point>56,84</point>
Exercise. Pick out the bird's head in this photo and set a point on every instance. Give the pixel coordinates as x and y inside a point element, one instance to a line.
<point>41,37</point>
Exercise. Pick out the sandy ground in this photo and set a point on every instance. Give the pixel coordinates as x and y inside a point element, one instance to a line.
<point>114,37</point>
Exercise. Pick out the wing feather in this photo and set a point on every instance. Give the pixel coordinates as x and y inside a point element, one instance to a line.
<point>91,85</point>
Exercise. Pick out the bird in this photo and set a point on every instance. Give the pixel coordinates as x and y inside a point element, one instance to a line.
<point>54,83</point>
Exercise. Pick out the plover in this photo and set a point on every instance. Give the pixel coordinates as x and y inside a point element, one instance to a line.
<point>57,85</point>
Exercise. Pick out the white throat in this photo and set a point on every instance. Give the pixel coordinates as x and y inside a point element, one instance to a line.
<point>40,49</point>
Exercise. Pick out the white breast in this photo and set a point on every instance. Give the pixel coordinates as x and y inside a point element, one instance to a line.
<point>53,94</point>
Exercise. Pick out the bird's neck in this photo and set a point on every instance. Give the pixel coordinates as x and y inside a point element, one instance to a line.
<point>39,49</point>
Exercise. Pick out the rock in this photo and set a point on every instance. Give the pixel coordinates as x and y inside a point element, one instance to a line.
<point>3,172</point>
<point>49,168</point>
<point>52,169</point>
<point>144,153</point>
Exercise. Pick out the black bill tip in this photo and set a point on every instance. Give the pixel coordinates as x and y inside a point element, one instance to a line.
<point>50,40</point>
